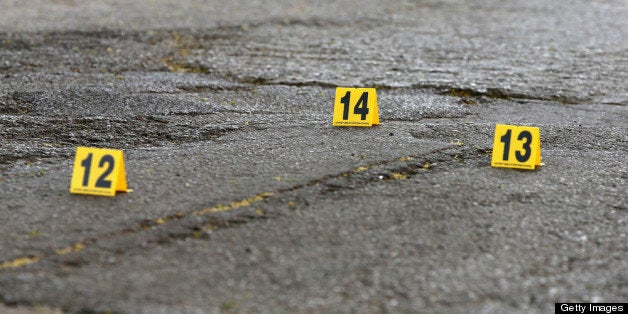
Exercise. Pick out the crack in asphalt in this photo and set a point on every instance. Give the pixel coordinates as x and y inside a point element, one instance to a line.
<point>172,48</point>
<point>439,89</point>
<point>413,165</point>
<point>501,93</point>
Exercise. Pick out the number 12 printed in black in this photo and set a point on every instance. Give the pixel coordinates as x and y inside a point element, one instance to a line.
<point>101,182</point>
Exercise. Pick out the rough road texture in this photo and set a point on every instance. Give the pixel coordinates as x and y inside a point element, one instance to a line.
<point>248,200</point>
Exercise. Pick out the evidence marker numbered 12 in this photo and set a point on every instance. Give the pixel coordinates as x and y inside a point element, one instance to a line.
<point>355,107</point>
<point>517,147</point>
<point>98,171</point>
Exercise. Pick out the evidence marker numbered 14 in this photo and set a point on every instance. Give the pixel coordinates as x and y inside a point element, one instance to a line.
<point>355,107</point>
<point>98,171</point>
<point>517,147</point>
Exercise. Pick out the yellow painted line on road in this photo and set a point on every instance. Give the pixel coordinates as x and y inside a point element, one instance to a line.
<point>237,204</point>
<point>80,246</point>
<point>19,262</point>
<point>77,247</point>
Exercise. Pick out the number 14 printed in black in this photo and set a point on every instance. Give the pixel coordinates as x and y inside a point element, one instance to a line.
<point>355,107</point>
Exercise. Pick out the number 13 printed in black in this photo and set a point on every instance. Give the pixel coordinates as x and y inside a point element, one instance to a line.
<point>516,147</point>
<point>526,145</point>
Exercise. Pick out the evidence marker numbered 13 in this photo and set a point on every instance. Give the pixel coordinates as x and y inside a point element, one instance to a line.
<point>98,171</point>
<point>517,147</point>
<point>355,107</point>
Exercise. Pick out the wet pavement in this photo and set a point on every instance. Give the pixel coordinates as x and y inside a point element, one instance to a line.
<point>246,199</point>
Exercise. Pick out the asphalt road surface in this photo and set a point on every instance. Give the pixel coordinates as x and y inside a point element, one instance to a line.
<point>246,199</point>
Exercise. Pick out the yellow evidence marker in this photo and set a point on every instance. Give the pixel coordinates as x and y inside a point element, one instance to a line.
<point>355,107</point>
<point>98,171</point>
<point>517,147</point>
